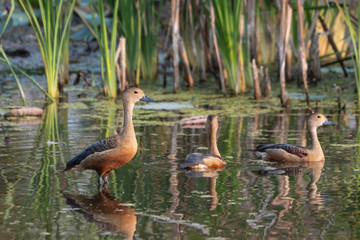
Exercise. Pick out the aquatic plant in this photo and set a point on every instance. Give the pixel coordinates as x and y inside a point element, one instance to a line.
<point>107,52</point>
<point>149,39</point>
<point>5,59</point>
<point>234,51</point>
<point>355,39</point>
<point>14,74</point>
<point>129,17</point>
<point>52,37</point>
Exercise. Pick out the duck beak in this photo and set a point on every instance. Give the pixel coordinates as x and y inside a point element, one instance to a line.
<point>329,123</point>
<point>147,99</point>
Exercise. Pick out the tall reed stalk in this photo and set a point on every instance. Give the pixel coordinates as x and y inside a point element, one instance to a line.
<point>355,38</point>
<point>6,60</point>
<point>149,39</point>
<point>227,27</point>
<point>51,38</point>
<point>108,64</point>
<point>130,19</point>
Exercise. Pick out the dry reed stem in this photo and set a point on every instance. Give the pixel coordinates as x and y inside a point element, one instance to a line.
<point>188,77</point>
<point>257,93</point>
<point>302,55</point>
<point>221,72</point>
<point>333,45</point>
<point>175,8</point>
<point>285,23</point>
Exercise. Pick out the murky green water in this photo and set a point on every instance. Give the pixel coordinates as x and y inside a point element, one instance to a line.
<point>151,198</point>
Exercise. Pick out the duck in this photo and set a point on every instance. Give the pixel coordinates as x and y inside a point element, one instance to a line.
<point>116,151</point>
<point>213,159</point>
<point>294,153</point>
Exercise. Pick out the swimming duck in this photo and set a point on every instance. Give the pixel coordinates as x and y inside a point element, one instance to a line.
<point>211,160</point>
<point>294,153</point>
<point>113,152</point>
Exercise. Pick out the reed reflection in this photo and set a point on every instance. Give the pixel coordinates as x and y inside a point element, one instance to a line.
<point>108,213</point>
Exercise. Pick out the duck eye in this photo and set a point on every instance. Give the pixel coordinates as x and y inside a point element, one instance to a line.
<point>136,92</point>
<point>318,116</point>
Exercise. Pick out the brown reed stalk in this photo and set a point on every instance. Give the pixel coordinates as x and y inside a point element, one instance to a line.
<point>302,55</point>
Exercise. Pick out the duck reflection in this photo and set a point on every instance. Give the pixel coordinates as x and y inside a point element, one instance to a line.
<point>109,214</point>
<point>307,193</point>
<point>212,175</point>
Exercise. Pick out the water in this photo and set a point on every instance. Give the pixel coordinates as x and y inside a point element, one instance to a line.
<point>152,198</point>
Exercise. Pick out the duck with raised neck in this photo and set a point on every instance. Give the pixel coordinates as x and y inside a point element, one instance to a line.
<point>212,159</point>
<point>113,152</point>
<point>294,153</point>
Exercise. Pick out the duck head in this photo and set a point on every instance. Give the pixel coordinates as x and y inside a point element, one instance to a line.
<point>317,119</point>
<point>134,95</point>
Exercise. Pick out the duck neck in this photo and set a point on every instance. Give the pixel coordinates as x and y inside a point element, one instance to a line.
<point>213,146</point>
<point>128,127</point>
<point>315,145</point>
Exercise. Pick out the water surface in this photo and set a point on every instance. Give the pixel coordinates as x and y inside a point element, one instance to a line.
<point>152,198</point>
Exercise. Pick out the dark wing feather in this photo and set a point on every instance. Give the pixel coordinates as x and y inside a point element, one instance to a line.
<point>293,149</point>
<point>100,146</point>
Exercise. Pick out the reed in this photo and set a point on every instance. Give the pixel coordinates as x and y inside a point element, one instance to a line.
<point>51,38</point>
<point>5,59</point>
<point>108,64</point>
<point>149,39</point>
<point>235,56</point>
<point>130,17</point>
<point>353,27</point>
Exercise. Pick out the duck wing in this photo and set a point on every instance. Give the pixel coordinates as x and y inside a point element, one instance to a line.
<point>292,149</point>
<point>100,146</point>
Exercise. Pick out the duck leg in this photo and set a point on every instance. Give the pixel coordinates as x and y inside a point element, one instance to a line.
<point>106,179</point>
<point>100,181</point>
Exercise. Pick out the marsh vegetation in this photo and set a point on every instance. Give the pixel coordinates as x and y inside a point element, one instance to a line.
<point>257,65</point>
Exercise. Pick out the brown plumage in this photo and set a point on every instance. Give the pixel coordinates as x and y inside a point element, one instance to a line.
<point>113,152</point>
<point>293,153</point>
<point>211,160</point>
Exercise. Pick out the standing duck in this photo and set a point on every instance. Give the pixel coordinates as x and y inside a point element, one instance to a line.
<point>294,153</point>
<point>113,152</point>
<point>211,160</point>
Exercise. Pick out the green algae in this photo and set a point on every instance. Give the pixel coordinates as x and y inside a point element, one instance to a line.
<point>345,146</point>
<point>74,105</point>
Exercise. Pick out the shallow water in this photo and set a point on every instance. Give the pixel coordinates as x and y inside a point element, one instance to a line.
<point>152,198</point>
